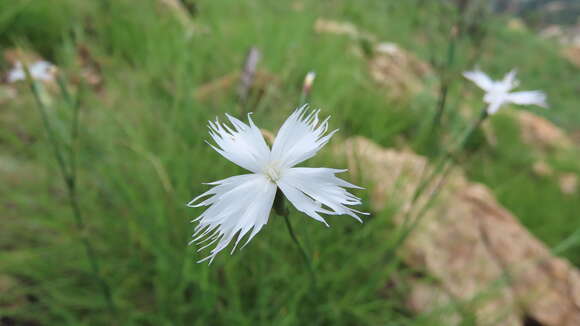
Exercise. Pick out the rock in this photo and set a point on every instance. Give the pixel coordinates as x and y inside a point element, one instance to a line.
<point>479,255</point>
<point>517,24</point>
<point>540,133</point>
<point>568,183</point>
<point>572,53</point>
<point>552,32</point>
<point>400,72</point>
<point>566,35</point>
<point>542,169</point>
<point>388,48</point>
<point>323,26</point>
<point>425,297</point>
<point>297,6</point>
<point>327,26</point>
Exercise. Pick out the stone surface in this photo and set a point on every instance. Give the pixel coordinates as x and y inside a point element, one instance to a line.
<point>540,133</point>
<point>395,69</point>
<point>398,71</point>
<point>572,53</point>
<point>476,251</point>
<point>344,28</point>
<point>542,169</point>
<point>568,183</point>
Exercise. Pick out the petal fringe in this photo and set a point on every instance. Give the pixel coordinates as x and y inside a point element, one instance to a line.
<point>237,205</point>
<point>242,144</point>
<point>300,137</point>
<point>308,189</point>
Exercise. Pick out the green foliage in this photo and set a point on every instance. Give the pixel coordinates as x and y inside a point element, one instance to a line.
<point>142,156</point>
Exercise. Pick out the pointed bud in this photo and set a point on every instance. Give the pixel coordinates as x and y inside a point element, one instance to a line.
<point>308,81</point>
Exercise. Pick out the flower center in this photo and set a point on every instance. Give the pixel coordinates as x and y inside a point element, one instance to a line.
<point>272,171</point>
<point>497,94</point>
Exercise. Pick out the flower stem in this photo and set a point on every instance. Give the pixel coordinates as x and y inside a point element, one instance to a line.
<point>305,256</point>
<point>445,77</point>
<point>68,172</point>
<point>448,156</point>
<point>442,168</point>
<point>281,210</point>
<point>482,116</point>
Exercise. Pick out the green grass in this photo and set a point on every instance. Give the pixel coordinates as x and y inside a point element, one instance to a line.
<point>142,156</point>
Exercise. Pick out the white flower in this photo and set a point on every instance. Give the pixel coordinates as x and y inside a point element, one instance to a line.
<point>498,92</point>
<point>240,205</point>
<point>39,70</point>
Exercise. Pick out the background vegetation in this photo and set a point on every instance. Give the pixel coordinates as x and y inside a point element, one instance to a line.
<point>141,156</point>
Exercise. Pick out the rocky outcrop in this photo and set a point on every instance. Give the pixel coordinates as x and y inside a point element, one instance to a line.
<point>477,253</point>
<point>547,140</point>
<point>572,53</point>
<point>328,26</point>
<point>398,71</point>
<point>541,134</point>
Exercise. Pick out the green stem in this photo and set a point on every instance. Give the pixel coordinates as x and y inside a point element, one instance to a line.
<point>303,253</point>
<point>443,91</point>
<point>442,168</point>
<point>482,116</point>
<point>51,135</point>
<point>281,210</point>
<point>89,249</point>
<point>69,177</point>
<point>303,99</point>
<point>443,161</point>
<point>409,223</point>
<point>445,79</point>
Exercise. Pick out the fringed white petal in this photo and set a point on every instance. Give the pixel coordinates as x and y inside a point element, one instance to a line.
<point>528,98</point>
<point>243,144</point>
<point>498,92</point>
<point>238,205</point>
<point>300,137</point>
<point>493,107</point>
<point>310,188</point>
<point>509,81</point>
<point>480,79</point>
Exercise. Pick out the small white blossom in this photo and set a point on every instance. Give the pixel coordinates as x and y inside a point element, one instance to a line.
<point>498,92</point>
<point>240,205</point>
<point>39,70</point>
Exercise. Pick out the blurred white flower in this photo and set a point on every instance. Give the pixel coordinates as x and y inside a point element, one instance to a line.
<point>39,70</point>
<point>498,92</point>
<point>242,203</point>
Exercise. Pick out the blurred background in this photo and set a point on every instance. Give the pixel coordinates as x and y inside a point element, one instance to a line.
<point>103,144</point>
